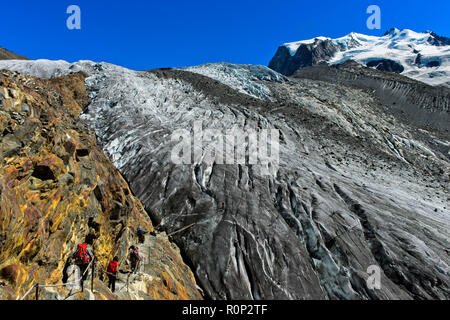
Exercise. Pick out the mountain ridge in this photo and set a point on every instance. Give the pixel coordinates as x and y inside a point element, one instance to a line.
<point>8,55</point>
<point>358,184</point>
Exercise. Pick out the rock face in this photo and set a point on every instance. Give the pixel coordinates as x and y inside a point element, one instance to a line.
<point>245,78</point>
<point>355,188</point>
<point>421,56</point>
<point>437,40</point>
<point>58,189</point>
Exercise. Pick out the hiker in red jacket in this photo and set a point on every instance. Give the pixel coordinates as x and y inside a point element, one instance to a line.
<point>83,256</point>
<point>113,268</point>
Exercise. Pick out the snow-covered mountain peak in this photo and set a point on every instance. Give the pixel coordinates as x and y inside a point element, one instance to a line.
<point>242,77</point>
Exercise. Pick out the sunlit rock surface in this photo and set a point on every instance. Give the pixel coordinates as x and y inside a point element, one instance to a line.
<point>58,189</point>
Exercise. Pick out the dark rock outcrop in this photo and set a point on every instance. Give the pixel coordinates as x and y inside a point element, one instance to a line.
<point>305,56</point>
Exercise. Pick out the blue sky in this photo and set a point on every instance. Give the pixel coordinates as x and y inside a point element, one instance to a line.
<point>175,33</point>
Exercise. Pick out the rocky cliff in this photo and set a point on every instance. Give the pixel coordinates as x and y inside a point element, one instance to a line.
<point>306,55</point>
<point>8,55</point>
<point>59,189</point>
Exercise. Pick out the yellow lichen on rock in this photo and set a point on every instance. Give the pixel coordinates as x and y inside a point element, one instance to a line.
<point>58,189</point>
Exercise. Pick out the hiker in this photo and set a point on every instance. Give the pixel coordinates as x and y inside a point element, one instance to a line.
<point>135,258</point>
<point>82,258</point>
<point>113,268</point>
<point>140,235</point>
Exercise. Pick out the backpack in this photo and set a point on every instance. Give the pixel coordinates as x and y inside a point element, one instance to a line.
<point>81,254</point>
<point>112,267</point>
